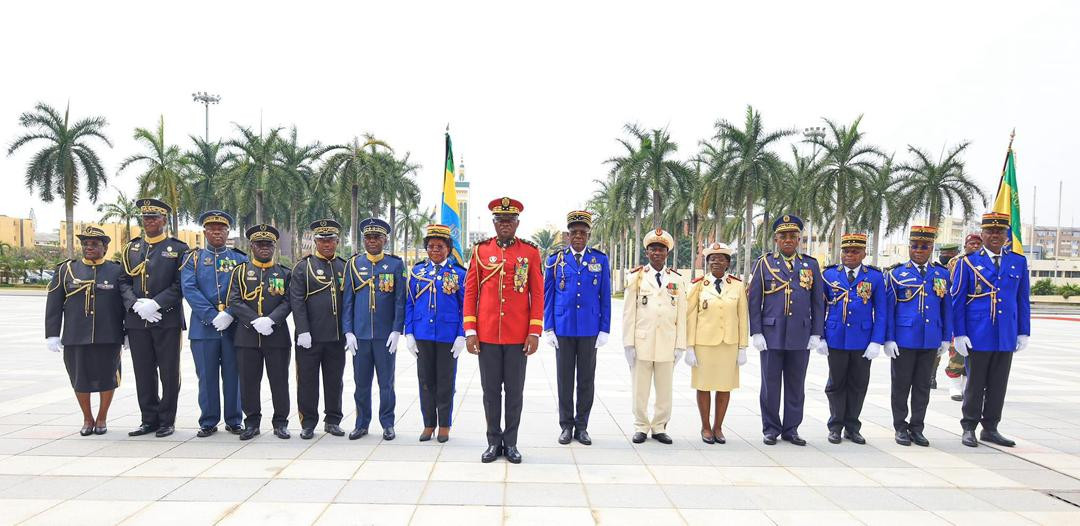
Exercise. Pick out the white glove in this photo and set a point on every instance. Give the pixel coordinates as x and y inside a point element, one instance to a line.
<point>410,345</point>
<point>138,304</point>
<point>814,342</point>
<point>678,355</point>
<point>392,341</point>
<point>154,317</point>
<point>350,343</point>
<point>52,343</point>
<point>601,339</point>
<point>222,321</point>
<point>943,349</point>
<point>303,340</point>
<point>872,351</point>
<point>631,355</point>
<point>459,346</point>
<point>757,341</point>
<point>891,350</point>
<point>550,340</point>
<point>126,344</point>
<point>962,344</point>
<point>146,309</point>
<point>691,358</point>
<point>1021,342</point>
<point>741,360</point>
<point>263,326</point>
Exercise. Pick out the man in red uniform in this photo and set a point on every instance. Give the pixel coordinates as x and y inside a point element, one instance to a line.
<point>504,315</point>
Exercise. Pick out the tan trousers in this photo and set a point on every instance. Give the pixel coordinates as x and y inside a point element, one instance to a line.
<point>646,375</point>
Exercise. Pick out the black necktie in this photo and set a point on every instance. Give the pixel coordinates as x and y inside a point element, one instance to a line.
<point>922,271</point>
<point>997,262</point>
<point>658,283</point>
<point>577,257</point>
<point>850,276</point>
<point>718,289</point>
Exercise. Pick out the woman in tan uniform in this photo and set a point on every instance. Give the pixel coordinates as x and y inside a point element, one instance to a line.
<point>717,333</point>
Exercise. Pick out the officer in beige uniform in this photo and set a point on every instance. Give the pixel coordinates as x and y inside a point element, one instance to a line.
<point>654,334</point>
<point>717,334</point>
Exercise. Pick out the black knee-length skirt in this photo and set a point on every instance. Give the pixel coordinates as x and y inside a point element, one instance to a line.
<point>93,368</point>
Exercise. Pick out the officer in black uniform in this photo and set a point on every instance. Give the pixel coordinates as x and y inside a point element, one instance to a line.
<point>85,299</point>
<point>150,286</point>
<point>315,297</point>
<point>259,299</point>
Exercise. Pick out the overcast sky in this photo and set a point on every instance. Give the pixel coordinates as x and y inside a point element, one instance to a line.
<point>536,94</point>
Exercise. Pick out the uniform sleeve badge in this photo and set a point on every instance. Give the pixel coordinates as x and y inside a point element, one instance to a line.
<point>806,278</point>
<point>940,286</point>
<point>864,289</point>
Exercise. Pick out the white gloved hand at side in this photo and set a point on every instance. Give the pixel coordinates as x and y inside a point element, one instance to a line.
<point>817,345</point>
<point>459,346</point>
<point>222,321</point>
<point>1021,342</point>
<point>691,357</point>
<point>678,356</point>
<point>757,341</point>
<point>350,343</point>
<point>263,326</point>
<point>303,340</point>
<point>53,344</point>
<point>741,360</point>
<point>392,342</point>
<point>601,339</point>
<point>944,348</point>
<point>962,344</point>
<point>891,350</point>
<point>631,355</point>
<point>550,340</point>
<point>872,351</point>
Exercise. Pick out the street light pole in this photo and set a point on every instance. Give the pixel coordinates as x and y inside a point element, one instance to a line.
<point>206,100</point>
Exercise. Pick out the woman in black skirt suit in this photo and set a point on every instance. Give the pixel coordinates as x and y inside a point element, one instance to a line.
<point>84,299</point>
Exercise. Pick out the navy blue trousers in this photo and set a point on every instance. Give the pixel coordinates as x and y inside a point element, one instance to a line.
<point>783,369</point>
<point>216,359</point>
<point>372,358</point>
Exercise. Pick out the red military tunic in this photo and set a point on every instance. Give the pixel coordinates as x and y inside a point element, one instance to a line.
<point>504,292</point>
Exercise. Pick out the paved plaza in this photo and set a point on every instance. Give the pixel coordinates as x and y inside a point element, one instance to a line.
<point>51,475</point>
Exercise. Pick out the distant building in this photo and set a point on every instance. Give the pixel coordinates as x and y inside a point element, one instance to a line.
<point>17,232</point>
<point>462,187</point>
<point>1060,272</point>
<point>1046,237</point>
<point>118,233</point>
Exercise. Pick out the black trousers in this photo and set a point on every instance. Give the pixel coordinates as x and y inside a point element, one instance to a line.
<point>502,369</point>
<point>329,357</point>
<point>912,371</point>
<point>155,353</point>
<point>984,396</point>
<point>849,376</point>
<point>575,354</point>
<point>251,361</point>
<point>436,369</point>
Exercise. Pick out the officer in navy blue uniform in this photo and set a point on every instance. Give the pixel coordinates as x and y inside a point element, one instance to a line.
<point>433,328</point>
<point>854,332</point>
<point>315,293</point>
<point>787,319</point>
<point>150,286</point>
<point>919,329</point>
<point>373,319</point>
<point>204,279</point>
<point>991,319</point>
<point>577,321</point>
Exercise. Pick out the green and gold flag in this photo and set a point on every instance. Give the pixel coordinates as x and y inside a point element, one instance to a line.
<point>1008,200</point>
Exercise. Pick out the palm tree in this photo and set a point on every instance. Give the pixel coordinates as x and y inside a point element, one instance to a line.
<point>296,164</point>
<point>847,161</point>
<point>204,167</point>
<point>716,197</point>
<point>754,168</point>
<point>257,170</point>
<point>64,161</point>
<point>546,240</point>
<point>875,203</point>
<point>412,222</point>
<point>797,193</point>
<point>629,186</point>
<point>400,187</point>
<point>937,188</point>
<point>164,169</point>
<point>663,176</point>
<point>122,209</point>
<point>350,168</point>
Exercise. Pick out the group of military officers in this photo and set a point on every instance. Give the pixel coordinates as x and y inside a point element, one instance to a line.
<point>500,307</point>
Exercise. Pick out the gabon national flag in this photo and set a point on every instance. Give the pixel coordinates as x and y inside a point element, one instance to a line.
<point>449,209</point>
<point>1008,199</point>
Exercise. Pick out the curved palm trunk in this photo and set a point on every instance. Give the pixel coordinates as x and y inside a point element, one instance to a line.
<point>393,215</point>
<point>838,222</point>
<point>258,206</point>
<point>748,236</point>
<point>658,207</point>
<point>354,217</point>
<point>69,209</point>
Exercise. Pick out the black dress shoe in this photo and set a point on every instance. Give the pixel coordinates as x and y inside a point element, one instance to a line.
<point>994,437</point>
<point>583,437</point>
<point>855,437</point>
<point>165,431</point>
<point>249,433</point>
<point>708,439</point>
<point>720,438</point>
<point>490,454</point>
<point>236,430</point>
<point>918,438</point>
<point>282,433</point>
<point>566,436</point>
<point>795,439</point>
<point>307,434</point>
<point>957,398</point>
<point>968,438</point>
<point>513,455</point>
<point>143,429</point>
<point>638,437</point>
<point>933,383</point>
<point>425,435</point>
<point>334,429</point>
<point>388,434</point>
<point>357,433</point>
<point>86,430</point>
<point>662,438</point>
<point>206,431</point>
<point>769,440</point>
<point>834,437</point>
<point>444,435</point>
<point>101,430</point>
<point>903,438</point>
